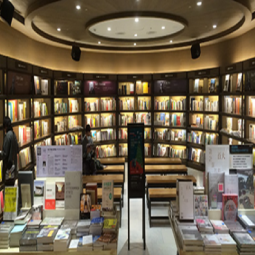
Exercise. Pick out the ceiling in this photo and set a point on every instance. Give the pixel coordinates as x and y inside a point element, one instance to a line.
<point>111,25</point>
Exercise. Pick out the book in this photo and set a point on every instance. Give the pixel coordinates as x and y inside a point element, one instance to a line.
<point>73,245</point>
<point>110,224</point>
<point>73,189</point>
<point>203,224</point>
<point>29,237</point>
<point>184,198</point>
<point>47,234</point>
<point>60,194</point>
<point>247,221</point>
<point>34,224</point>
<point>45,87</point>
<point>211,241</point>
<point>231,183</point>
<point>85,204</point>
<point>91,189</point>
<point>246,189</point>
<point>200,205</point>
<point>229,207</point>
<point>226,240</point>
<point>10,203</point>
<point>53,221</point>
<point>16,234</point>
<point>244,240</point>
<point>219,227</point>
<point>50,196</point>
<point>107,195</point>
<point>234,226</point>
<point>39,192</point>
<point>216,188</point>
<point>25,195</point>
<point>190,235</point>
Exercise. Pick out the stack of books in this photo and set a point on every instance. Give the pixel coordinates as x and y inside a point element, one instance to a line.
<point>234,227</point>
<point>227,243</point>
<point>191,239</point>
<point>110,225</point>
<point>34,224</point>
<point>212,244</point>
<point>96,226</point>
<point>204,225</point>
<point>219,227</point>
<point>56,221</point>
<point>45,238</point>
<point>108,240</point>
<point>16,234</point>
<point>83,227</point>
<point>5,229</point>
<point>247,221</point>
<point>73,245</point>
<point>28,242</point>
<point>62,240</point>
<point>85,243</point>
<point>72,224</point>
<point>23,217</point>
<point>245,243</point>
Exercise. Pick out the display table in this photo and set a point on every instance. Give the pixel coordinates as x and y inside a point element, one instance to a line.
<point>96,252</point>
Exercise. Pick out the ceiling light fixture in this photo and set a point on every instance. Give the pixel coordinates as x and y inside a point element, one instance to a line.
<point>214,26</point>
<point>99,42</point>
<point>109,29</point>
<point>136,20</point>
<point>78,7</point>
<point>135,35</point>
<point>171,41</point>
<point>199,3</point>
<point>163,27</point>
<point>134,44</point>
<point>59,29</point>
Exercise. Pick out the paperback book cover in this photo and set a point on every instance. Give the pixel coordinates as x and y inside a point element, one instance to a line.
<point>39,192</point>
<point>229,207</point>
<point>60,194</point>
<point>246,189</point>
<point>50,196</point>
<point>85,206</point>
<point>231,183</point>
<point>201,205</point>
<point>29,237</point>
<point>10,203</point>
<point>216,188</point>
<point>107,195</point>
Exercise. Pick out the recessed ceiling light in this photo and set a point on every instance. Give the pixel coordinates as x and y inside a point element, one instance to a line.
<point>59,29</point>
<point>171,41</point>
<point>134,44</point>
<point>136,20</point>
<point>109,29</point>
<point>135,35</point>
<point>214,26</point>
<point>199,3</point>
<point>78,7</point>
<point>163,27</point>
<point>99,42</point>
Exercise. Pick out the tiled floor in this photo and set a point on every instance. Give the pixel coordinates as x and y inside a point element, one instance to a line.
<point>159,238</point>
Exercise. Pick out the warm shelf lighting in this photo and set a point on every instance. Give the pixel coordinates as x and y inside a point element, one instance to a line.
<point>199,3</point>
<point>78,7</point>
<point>59,29</point>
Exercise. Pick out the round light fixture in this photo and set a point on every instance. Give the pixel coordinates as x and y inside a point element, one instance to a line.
<point>59,29</point>
<point>214,26</point>
<point>136,20</point>
<point>135,35</point>
<point>78,7</point>
<point>99,42</point>
<point>199,3</point>
<point>171,41</point>
<point>109,29</point>
<point>163,27</point>
<point>134,44</point>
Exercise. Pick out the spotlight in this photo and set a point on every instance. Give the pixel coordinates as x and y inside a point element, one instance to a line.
<point>7,11</point>
<point>195,51</point>
<point>76,53</point>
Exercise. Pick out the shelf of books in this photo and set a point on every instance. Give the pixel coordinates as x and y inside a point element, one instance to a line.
<point>204,106</point>
<point>68,108</point>
<point>100,112</point>
<point>233,124</point>
<point>169,115</point>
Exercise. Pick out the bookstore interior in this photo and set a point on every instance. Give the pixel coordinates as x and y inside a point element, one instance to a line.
<point>176,78</point>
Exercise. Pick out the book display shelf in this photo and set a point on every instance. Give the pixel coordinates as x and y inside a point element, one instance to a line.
<point>170,115</point>
<point>100,105</point>
<point>134,106</point>
<point>68,108</point>
<point>233,102</point>
<point>203,111</point>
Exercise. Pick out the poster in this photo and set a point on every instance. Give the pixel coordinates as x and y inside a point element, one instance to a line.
<point>136,159</point>
<point>217,159</point>
<point>241,157</point>
<point>100,88</point>
<point>170,86</point>
<point>54,161</point>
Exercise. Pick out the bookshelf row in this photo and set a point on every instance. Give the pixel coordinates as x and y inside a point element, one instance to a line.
<point>182,112</point>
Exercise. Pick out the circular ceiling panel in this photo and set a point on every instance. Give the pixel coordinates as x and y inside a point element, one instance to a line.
<point>136,28</point>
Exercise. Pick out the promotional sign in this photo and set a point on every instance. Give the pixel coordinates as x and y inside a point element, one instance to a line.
<point>100,88</point>
<point>241,157</point>
<point>217,159</point>
<point>170,86</point>
<point>136,177</point>
<point>19,84</point>
<point>54,161</point>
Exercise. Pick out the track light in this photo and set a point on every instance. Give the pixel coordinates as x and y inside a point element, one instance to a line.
<point>76,53</point>
<point>7,11</point>
<point>195,51</point>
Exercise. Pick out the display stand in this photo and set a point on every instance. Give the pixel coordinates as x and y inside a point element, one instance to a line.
<point>136,173</point>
